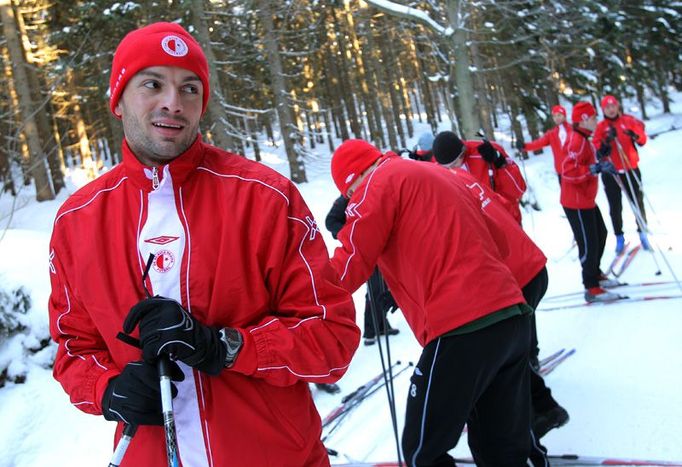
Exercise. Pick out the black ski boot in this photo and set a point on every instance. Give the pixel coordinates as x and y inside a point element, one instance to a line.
<point>553,418</point>
<point>329,388</point>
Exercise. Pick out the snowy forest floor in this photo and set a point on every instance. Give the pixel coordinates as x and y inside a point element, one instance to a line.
<point>621,388</point>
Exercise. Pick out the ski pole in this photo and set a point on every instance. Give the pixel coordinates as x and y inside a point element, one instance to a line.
<point>639,218</point>
<point>638,180</point>
<point>389,387</point>
<point>163,366</point>
<point>122,446</point>
<point>643,225</point>
<point>167,410</point>
<point>347,408</point>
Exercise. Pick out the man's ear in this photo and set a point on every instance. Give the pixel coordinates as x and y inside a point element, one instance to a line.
<point>118,109</point>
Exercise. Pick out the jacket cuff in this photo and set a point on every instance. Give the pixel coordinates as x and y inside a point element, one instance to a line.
<point>101,386</point>
<point>247,359</point>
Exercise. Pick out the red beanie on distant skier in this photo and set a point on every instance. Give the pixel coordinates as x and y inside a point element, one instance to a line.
<point>559,109</point>
<point>582,111</point>
<point>608,100</point>
<point>159,44</point>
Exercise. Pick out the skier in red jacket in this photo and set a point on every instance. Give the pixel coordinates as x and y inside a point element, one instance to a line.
<point>244,298</point>
<point>488,163</point>
<point>555,138</point>
<point>624,133</point>
<point>458,297</point>
<point>579,184</point>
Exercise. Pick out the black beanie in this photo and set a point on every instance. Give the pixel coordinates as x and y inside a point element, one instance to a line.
<point>446,147</point>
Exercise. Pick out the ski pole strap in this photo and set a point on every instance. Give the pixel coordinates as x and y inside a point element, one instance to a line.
<point>130,340</point>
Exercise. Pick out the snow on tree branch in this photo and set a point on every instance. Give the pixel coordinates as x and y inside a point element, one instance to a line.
<point>414,14</point>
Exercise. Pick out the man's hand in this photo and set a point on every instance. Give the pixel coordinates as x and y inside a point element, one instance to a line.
<point>490,154</point>
<point>167,328</point>
<point>134,396</point>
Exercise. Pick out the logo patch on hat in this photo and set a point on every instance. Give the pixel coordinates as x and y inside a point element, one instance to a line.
<point>350,178</point>
<point>174,46</point>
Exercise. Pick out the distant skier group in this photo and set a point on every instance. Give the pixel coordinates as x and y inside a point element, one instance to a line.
<point>213,265</point>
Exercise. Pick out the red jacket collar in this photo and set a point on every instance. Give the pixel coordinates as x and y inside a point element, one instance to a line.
<point>180,168</point>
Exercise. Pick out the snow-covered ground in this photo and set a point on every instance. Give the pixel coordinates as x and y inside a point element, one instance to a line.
<point>621,388</point>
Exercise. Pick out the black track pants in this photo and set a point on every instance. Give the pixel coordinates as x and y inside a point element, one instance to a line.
<point>590,235</point>
<point>541,395</point>
<point>479,378</point>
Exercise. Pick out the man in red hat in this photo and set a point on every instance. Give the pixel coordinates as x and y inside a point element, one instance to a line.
<point>458,297</point>
<point>624,133</point>
<point>488,162</point>
<point>579,184</point>
<point>555,138</point>
<point>240,292</point>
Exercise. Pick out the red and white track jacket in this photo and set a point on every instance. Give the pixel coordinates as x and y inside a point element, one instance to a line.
<point>552,138</point>
<point>624,153</point>
<point>508,181</point>
<point>521,255</point>
<point>578,186</point>
<point>425,232</point>
<point>234,243</point>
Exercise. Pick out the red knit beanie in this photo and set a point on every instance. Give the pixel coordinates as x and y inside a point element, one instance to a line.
<point>350,160</point>
<point>608,99</point>
<point>582,111</point>
<point>559,109</point>
<point>159,44</point>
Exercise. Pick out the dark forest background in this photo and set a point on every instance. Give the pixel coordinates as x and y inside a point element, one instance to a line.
<point>304,74</point>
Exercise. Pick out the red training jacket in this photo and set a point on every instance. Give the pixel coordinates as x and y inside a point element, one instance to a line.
<point>624,153</point>
<point>236,245</point>
<point>552,138</point>
<point>523,257</point>
<point>426,233</point>
<point>509,182</point>
<point>578,185</point>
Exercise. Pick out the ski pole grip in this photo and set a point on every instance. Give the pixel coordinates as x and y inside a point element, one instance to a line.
<point>164,367</point>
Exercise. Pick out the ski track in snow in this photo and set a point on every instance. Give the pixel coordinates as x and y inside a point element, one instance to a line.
<point>621,388</point>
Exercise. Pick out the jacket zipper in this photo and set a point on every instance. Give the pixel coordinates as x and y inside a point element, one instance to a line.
<point>155,178</point>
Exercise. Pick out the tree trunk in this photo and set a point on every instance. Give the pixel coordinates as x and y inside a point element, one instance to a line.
<point>662,88</point>
<point>292,144</point>
<point>84,144</point>
<point>462,73</point>
<point>39,169</point>
<point>42,105</point>
<point>639,89</point>
<point>345,82</point>
<point>216,115</point>
<point>484,105</point>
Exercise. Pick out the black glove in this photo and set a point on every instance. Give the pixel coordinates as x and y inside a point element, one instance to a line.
<point>490,154</point>
<point>388,302</point>
<point>520,146</point>
<point>604,150</point>
<point>633,136</point>
<point>610,134</point>
<point>606,167</point>
<point>134,396</point>
<point>167,328</point>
